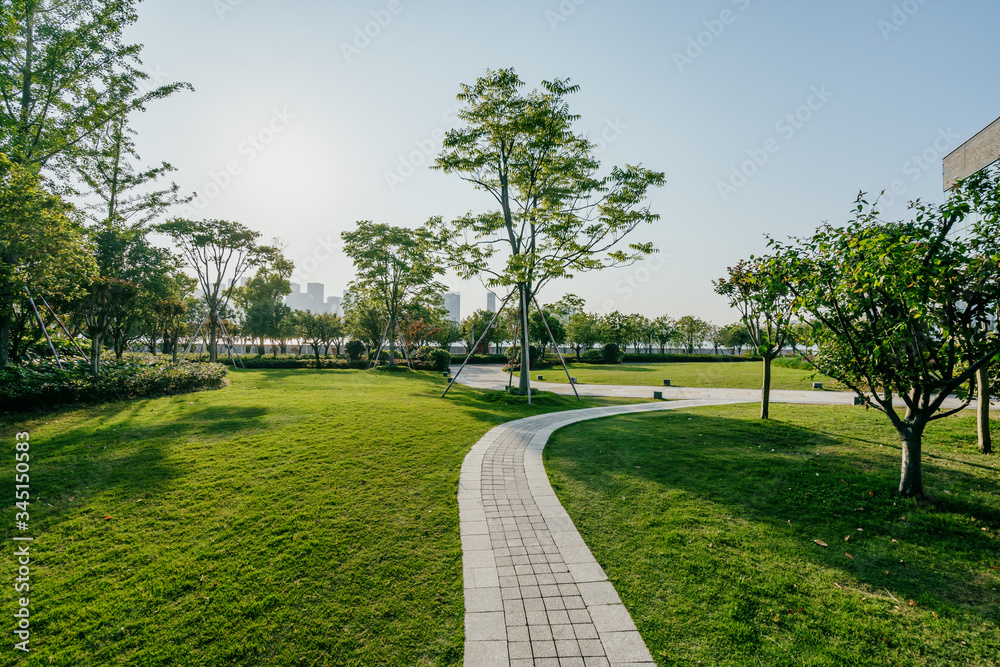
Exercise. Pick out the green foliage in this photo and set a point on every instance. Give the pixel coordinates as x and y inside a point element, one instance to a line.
<point>354,350</point>
<point>692,332</point>
<point>41,385</point>
<point>437,358</point>
<point>900,309</point>
<point>583,331</point>
<point>551,215</point>
<point>537,332</point>
<point>481,358</point>
<point>611,354</point>
<point>630,358</point>
<point>395,266</point>
<point>593,356</point>
<point>40,248</point>
<point>476,324</point>
<point>66,74</point>
<point>221,252</point>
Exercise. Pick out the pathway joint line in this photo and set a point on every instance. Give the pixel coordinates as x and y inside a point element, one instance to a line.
<point>533,590</point>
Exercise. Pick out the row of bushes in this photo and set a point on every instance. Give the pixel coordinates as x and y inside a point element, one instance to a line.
<point>42,384</point>
<point>655,358</point>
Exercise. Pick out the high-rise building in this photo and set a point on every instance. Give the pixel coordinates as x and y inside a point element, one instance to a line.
<point>491,302</point>
<point>453,304</point>
<point>333,304</point>
<point>317,301</point>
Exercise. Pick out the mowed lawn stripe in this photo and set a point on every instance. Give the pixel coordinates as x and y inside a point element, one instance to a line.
<point>720,374</point>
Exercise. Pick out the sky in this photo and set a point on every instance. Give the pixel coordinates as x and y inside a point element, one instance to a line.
<point>768,118</point>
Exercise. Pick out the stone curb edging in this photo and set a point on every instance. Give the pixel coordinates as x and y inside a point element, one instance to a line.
<point>534,594</point>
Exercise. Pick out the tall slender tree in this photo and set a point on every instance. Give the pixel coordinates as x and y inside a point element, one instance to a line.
<point>758,290</point>
<point>553,215</point>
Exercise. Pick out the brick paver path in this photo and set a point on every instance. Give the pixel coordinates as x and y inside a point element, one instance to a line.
<point>534,595</point>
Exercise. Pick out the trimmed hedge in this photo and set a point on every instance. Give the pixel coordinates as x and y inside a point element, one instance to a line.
<point>41,384</point>
<point>480,358</point>
<point>633,358</point>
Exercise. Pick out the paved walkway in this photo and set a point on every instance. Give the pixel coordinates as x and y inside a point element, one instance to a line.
<point>534,594</point>
<point>492,377</point>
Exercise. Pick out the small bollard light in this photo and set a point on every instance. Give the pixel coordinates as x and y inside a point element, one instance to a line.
<point>572,380</point>
<point>446,374</point>
<point>658,395</point>
<point>858,400</point>
<point>817,385</point>
<point>539,378</point>
<point>666,383</point>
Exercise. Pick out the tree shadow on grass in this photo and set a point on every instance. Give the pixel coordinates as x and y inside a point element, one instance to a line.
<point>770,473</point>
<point>122,455</point>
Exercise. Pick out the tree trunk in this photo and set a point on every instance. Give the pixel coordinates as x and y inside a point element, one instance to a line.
<point>983,410</point>
<point>213,339</point>
<point>524,383</point>
<point>5,336</point>
<point>392,342</point>
<point>765,394</point>
<point>95,354</point>
<point>911,481</point>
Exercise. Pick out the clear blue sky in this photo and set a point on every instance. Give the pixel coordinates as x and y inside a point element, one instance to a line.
<point>691,89</point>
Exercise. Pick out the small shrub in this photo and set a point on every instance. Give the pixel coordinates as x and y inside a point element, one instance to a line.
<point>611,354</point>
<point>354,350</point>
<point>593,357</point>
<point>41,384</point>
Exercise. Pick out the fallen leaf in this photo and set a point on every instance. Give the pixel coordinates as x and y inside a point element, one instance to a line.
<point>107,518</point>
<point>934,613</point>
<point>912,603</point>
<point>870,493</point>
<point>847,538</point>
<point>849,555</point>
<point>821,543</point>
<point>843,481</point>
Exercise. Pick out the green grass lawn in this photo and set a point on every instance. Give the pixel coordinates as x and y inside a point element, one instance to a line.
<point>705,522</point>
<point>293,518</point>
<point>730,375</point>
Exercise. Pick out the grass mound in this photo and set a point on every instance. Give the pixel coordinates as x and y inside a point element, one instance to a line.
<point>542,399</point>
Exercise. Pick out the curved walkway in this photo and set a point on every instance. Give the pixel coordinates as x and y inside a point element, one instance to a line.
<point>534,594</point>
